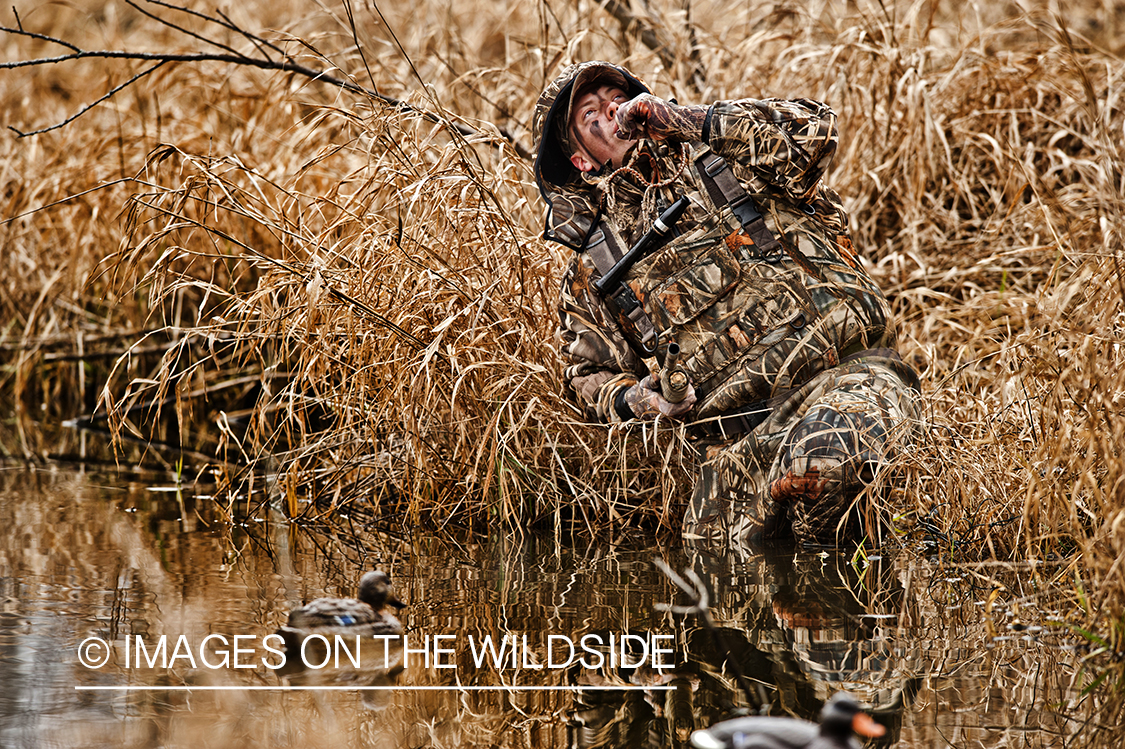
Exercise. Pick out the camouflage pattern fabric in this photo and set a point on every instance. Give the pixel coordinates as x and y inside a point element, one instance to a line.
<point>800,472</point>
<point>750,326</point>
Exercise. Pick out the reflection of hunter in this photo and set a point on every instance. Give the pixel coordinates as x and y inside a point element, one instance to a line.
<point>787,375</point>
<point>801,626</point>
<point>807,626</point>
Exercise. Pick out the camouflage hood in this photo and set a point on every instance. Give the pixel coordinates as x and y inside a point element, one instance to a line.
<point>554,174</point>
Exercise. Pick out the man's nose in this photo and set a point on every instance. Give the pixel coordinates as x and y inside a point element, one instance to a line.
<point>611,109</point>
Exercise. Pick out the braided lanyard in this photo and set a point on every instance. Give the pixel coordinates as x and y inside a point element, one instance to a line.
<point>651,187</point>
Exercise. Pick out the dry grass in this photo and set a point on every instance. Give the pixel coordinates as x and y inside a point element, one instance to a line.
<point>353,302</point>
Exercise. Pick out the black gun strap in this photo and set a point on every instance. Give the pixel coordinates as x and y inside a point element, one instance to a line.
<point>724,189</point>
<point>605,251</point>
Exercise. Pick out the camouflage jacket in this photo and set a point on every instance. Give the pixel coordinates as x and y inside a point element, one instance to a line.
<point>749,326</point>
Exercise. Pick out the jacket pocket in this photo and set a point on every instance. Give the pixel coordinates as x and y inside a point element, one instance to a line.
<point>686,294</point>
<point>743,326</point>
<point>755,325</point>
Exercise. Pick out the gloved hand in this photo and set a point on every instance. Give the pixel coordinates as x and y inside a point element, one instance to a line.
<point>648,116</point>
<point>645,400</point>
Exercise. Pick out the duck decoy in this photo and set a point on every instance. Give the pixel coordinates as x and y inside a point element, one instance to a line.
<point>365,617</point>
<point>841,721</point>
<point>840,718</point>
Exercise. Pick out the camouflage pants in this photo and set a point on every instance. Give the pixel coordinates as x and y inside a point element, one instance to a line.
<point>801,471</point>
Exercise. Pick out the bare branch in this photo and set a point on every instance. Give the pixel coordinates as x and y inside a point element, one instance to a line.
<point>254,39</point>
<point>226,23</point>
<point>231,55</point>
<point>19,31</point>
<point>648,36</point>
<point>109,94</point>
<point>182,30</point>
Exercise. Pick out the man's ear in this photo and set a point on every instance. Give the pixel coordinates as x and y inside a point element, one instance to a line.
<point>582,164</point>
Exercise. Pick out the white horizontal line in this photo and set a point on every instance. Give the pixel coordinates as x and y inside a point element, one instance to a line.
<point>378,689</point>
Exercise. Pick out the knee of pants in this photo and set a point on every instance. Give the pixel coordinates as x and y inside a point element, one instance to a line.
<point>822,440</point>
<point>825,453</point>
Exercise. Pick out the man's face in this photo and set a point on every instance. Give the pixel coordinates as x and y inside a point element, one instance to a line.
<point>593,131</point>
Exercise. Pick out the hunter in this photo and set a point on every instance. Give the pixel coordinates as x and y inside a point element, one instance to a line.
<point>795,394</point>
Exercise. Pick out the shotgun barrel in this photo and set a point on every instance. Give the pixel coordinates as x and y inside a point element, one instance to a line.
<point>652,240</point>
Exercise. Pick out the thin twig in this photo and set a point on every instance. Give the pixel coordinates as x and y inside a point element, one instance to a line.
<point>225,23</point>
<point>20,31</point>
<point>86,108</point>
<point>288,65</point>
<point>182,30</point>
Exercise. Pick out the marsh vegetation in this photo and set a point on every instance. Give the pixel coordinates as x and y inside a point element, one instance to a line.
<point>311,298</point>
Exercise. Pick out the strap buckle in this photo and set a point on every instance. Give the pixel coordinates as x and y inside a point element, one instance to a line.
<point>714,165</point>
<point>626,300</point>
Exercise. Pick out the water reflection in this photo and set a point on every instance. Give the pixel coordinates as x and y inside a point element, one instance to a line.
<point>808,625</point>
<point>85,557</point>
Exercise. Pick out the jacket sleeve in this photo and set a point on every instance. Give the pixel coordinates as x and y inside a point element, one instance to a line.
<point>599,364</point>
<point>772,142</point>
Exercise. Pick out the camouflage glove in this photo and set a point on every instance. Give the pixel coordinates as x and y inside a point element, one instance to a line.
<point>647,116</point>
<point>646,402</point>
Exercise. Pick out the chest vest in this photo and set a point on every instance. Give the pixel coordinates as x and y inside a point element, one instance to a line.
<point>752,313</point>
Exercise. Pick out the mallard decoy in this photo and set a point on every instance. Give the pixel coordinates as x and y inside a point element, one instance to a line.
<point>840,718</point>
<point>347,616</point>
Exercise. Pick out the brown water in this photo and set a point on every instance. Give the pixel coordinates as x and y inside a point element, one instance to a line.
<point>90,556</point>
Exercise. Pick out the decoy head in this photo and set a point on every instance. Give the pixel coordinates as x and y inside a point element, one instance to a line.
<point>842,716</point>
<point>376,591</point>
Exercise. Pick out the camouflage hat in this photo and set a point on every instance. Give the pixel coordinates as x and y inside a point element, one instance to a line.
<point>552,115</point>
